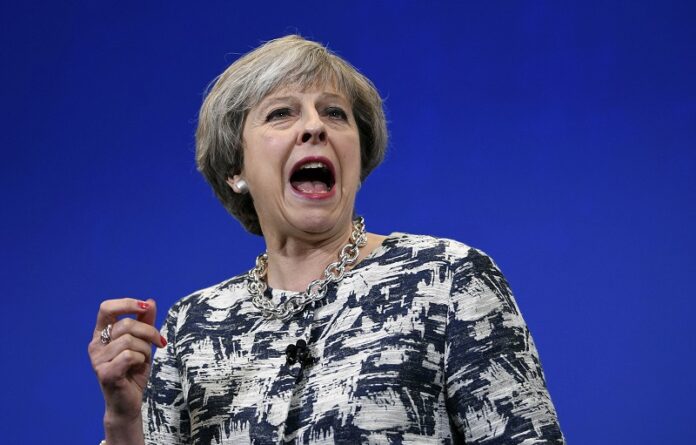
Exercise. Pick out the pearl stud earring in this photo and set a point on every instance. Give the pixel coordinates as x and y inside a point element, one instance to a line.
<point>242,186</point>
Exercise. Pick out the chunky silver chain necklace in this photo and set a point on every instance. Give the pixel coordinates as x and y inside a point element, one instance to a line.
<point>316,290</point>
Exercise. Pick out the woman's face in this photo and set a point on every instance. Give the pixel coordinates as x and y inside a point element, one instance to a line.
<point>302,160</point>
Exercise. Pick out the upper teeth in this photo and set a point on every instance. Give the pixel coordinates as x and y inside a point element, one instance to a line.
<point>313,165</point>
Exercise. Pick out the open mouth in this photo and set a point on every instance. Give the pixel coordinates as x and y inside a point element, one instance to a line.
<point>313,176</point>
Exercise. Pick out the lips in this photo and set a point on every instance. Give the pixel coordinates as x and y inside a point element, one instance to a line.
<point>313,177</point>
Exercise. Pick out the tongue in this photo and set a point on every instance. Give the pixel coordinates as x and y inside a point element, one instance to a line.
<point>310,186</point>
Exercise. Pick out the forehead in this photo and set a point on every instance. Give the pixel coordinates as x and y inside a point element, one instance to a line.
<point>326,89</point>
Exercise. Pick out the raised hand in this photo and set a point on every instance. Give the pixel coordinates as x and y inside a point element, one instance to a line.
<point>121,351</point>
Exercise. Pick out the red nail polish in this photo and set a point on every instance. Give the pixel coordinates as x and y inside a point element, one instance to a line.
<point>163,341</point>
<point>143,305</point>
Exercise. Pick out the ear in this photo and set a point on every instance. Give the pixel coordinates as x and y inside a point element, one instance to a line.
<point>232,182</point>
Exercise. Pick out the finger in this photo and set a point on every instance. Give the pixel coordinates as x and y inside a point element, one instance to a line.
<point>110,310</point>
<point>113,371</point>
<point>150,314</point>
<point>125,342</point>
<point>137,329</point>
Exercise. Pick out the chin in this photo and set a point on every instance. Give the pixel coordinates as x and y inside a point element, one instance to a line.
<point>316,224</point>
<point>317,221</point>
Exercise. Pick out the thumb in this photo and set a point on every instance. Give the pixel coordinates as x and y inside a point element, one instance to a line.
<point>150,315</point>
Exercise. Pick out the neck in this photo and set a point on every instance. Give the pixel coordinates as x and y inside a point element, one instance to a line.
<point>293,263</point>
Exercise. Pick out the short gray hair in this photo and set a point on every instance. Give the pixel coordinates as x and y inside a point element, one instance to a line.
<point>287,61</point>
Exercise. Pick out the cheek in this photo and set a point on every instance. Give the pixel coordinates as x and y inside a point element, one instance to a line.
<point>353,156</point>
<point>265,154</point>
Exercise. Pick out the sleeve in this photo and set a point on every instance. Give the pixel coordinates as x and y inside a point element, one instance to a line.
<point>164,412</point>
<point>496,393</point>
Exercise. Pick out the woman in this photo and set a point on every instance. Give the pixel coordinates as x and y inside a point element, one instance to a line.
<point>372,339</point>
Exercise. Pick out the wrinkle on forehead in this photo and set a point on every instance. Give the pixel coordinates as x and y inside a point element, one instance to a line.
<point>323,79</point>
<point>290,93</point>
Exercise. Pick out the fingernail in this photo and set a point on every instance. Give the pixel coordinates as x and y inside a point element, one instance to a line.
<point>143,305</point>
<point>163,341</point>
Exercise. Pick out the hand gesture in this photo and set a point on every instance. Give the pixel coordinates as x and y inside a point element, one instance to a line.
<point>120,352</point>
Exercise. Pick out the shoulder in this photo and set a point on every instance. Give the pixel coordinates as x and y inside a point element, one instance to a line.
<point>466,267</point>
<point>216,300</point>
<point>455,253</point>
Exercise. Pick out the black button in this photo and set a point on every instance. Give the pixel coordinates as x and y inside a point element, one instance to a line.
<point>299,352</point>
<point>291,354</point>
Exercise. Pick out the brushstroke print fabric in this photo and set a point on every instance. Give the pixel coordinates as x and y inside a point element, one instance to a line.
<point>421,343</point>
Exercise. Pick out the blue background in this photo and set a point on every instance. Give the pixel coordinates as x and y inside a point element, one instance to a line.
<point>556,136</point>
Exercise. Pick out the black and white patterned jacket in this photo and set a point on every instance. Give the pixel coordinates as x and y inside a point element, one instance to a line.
<point>421,343</point>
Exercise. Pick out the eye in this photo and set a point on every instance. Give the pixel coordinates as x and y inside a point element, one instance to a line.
<point>336,113</point>
<point>278,113</point>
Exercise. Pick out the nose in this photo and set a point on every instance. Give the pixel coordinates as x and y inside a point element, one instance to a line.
<point>314,130</point>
